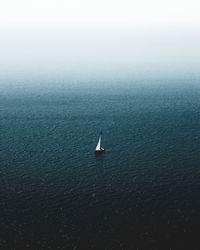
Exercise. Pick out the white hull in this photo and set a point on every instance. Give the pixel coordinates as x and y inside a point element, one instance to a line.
<point>100,150</point>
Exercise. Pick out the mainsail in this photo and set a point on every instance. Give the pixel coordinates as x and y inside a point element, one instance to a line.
<point>98,147</point>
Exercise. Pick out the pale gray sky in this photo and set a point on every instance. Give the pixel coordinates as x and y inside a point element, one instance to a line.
<point>104,36</point>
<point>140,12</point>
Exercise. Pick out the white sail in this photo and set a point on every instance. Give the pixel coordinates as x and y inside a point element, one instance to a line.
<point>98,147</point>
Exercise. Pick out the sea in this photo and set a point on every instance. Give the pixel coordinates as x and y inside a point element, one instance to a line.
<point>143,192</point>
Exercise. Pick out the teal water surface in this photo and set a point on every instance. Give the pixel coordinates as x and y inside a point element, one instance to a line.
<point>142,193</point>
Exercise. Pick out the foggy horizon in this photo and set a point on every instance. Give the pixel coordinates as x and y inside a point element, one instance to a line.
<point>90,40</point>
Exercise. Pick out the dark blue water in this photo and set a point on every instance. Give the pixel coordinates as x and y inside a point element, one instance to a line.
<point>142,193</point>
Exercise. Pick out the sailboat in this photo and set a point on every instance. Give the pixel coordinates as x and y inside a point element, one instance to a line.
<point>99,149</point>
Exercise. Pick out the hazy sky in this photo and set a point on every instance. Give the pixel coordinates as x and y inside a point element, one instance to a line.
<point>98,36</point>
